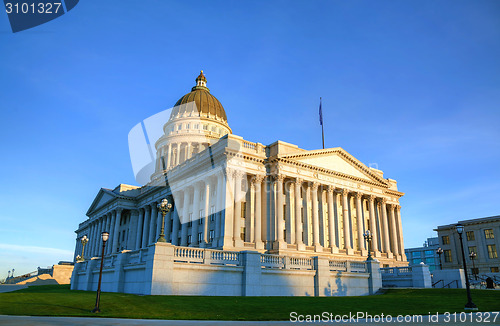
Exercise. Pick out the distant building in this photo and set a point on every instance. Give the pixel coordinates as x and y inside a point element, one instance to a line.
<point>481,236</point>
<point>426,254</point>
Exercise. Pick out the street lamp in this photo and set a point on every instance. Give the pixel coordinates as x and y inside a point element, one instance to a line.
<point>164,206</point>
<point>105,237</point>
<point>472,256</point>
<point>439,251</point>
<point>84,241</point>
<point>469,305</point>
<point>368,238</point>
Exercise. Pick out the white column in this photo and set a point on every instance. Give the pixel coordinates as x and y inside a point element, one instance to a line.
<point>298,216</point>
<point>392,226</point>
<point>220,209</point>
<point>331,220</point>
<point>145,229</point>
<point>385,227</point>
<point>206,212</point>
<point>400,233</point>
<point>152,222</point>
<point>169,156</point>
<point>373,225</point>
<point>257,181</point>
<point>159,219</point>
<point>99,238</point>
<point>168,219</point>
<point>279,212</point>
<point>178,153</point>
<point>359,217</point>
<point>139,229</point>
<point>227,217</point>
<point>196,215</point>
<point>347,227</point>
<point>176,221</point>
<point>188,151</point>
<point>238,242</point>
<point>91,244</point>
<point>185,217</point>
<point>116,229</point>
<point>315,217</point>
<point>109,247</point>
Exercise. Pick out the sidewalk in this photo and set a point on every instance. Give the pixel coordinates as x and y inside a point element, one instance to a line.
<point>44,321</point>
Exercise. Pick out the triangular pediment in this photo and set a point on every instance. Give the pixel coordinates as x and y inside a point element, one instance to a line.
<point>103,197</point>
<point>336,160</point>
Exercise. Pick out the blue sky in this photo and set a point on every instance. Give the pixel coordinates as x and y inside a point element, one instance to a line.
<point>413,86</point>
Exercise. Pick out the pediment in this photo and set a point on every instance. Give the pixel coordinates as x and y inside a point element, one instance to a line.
<point>103,197</point>
<point>336,160</point>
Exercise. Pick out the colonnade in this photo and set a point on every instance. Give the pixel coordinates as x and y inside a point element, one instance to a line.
<point>234,209</point>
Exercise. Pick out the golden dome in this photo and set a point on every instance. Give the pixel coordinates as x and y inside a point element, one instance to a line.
<point>207,106</point>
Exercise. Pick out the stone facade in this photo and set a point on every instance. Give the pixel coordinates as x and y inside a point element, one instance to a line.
<point>235,195</point>
<point>481,236</point>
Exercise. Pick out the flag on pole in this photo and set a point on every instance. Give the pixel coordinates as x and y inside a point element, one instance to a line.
<point>320,113</point>
<point>321,123</point>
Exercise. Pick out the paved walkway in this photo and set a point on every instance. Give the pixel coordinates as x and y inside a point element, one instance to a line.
<point>43,321</point>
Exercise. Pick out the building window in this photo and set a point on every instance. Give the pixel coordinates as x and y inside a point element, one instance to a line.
<point>243,234</point>
<point>494,269</point>
<point>447,256</point>
<point>187,126</point>
<point>429,261</point>
<point>200,220</point>
<point>470,236</point>
<point>190,239</point>
<point>416,261</point>
<point>429,252</point>
<point>488,234</point>
<point>196,126</point>
<point>200,237</point>
<point>446,239</point>
<point>212,213</point>
<point>492,251</point>
<point>190,224</point>
<point>205,127</point>
<point>179,127</point>
<point>416,254</point>
<point>211,235</point>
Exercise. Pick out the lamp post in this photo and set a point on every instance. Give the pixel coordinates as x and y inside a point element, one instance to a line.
<point>439,251</point>
<point>164,206</point>
<point>368,238</point>
<point>469,305</point>
<point>105,237</point>
<point>472,256</point>
<point>84,240</point>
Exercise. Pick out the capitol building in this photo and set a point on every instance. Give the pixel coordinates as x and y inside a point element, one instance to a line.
<point>246,218</point>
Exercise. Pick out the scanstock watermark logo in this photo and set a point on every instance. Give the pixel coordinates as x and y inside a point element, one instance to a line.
<point>26,14</point>
<point>174,152</point>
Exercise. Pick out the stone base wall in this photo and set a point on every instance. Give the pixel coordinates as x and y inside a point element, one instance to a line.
<point>417,276</point>
<point>164,269</point>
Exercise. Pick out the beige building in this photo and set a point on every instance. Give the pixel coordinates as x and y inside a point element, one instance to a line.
<point>481,236</point>
<point>232,194</point>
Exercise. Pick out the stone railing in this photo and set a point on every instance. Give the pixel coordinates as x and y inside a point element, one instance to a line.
<point>348,266</point>
<point>396,271</point>
<point>285,262</point>
<point>206,256</point>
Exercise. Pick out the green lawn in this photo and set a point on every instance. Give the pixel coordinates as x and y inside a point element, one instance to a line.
<point>58,300</point>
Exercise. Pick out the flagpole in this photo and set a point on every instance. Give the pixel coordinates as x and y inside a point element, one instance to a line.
<point>322,130</point>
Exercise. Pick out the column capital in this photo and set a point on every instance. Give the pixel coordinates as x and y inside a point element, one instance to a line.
<point>314,185</point>
<point>331,189</point>
<point>237,173</point>
<point>382,200</point>
<point>358,195</point>
<point>344,192</point>
<point>371,198</point>
<point>279,177</point>
<point>257,179</point>
<point>119,210</point>
<point>299,181</point>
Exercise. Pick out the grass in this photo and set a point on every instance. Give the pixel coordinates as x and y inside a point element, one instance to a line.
<point>59,300</point>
